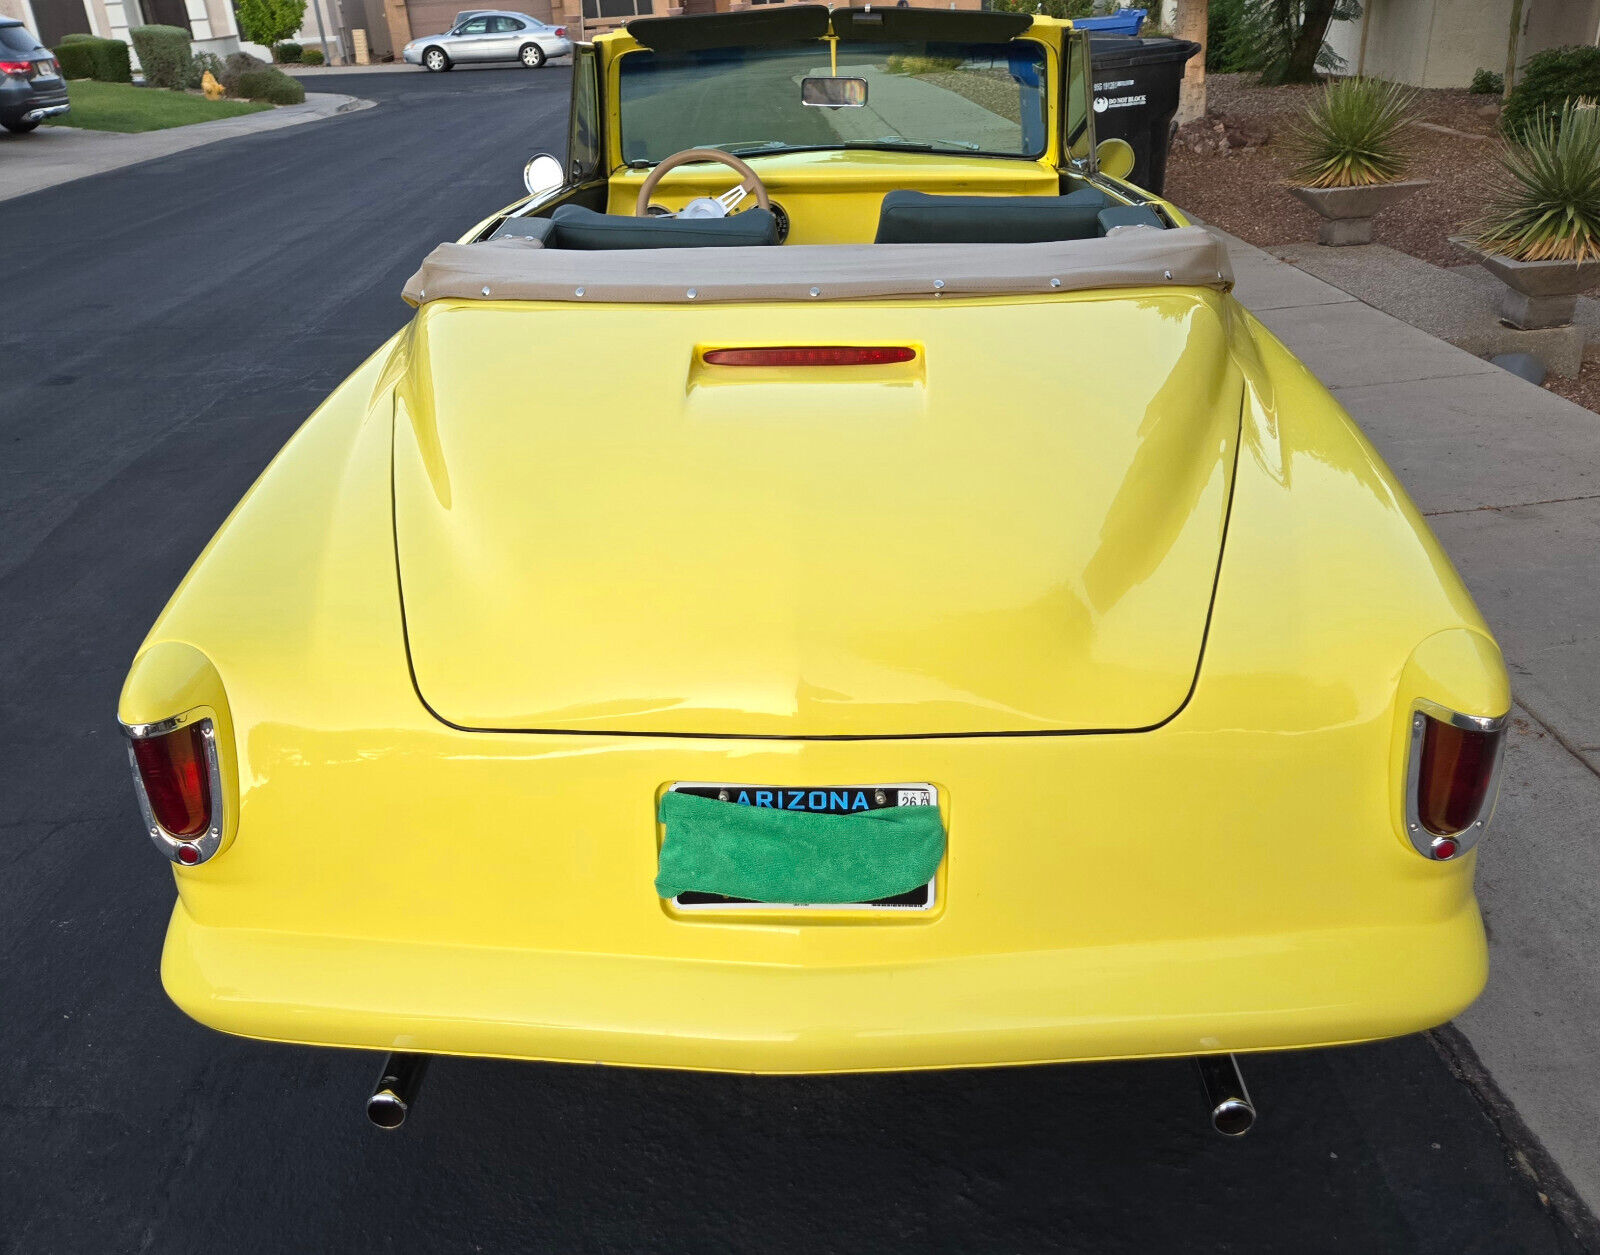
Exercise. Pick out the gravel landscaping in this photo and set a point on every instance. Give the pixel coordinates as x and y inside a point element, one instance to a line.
<point>1244,192</point>
<point>1454,142</point>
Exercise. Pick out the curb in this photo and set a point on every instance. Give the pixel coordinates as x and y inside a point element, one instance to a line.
<point>55,155</point>
<point>1525,1153</point>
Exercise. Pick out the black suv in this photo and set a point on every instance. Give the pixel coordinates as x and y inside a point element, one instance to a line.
<point>31,86</point>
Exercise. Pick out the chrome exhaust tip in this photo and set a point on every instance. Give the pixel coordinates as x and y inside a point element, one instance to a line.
<point>396,1091</point>
<point>1232,1112</point>
<point>39,115</point>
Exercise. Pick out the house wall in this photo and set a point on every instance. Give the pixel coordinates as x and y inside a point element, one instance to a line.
<point>22,11</point>
<point>311,34</point>
<point>1442,43</point>
<point>211,22</point>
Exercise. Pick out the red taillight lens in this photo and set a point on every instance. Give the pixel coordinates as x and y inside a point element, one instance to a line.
<point>812,355</point>
<point>21,69</point>
<point>176,779</point>
<point>561,32</point>
<point>1453,783</point>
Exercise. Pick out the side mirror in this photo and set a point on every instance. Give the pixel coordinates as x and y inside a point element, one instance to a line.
<point>1114,157</point>
<point>544,174</point>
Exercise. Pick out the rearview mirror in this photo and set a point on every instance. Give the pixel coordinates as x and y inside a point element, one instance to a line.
<point>1114,158</point>
<point>543,174</point>
<point>833,93</point>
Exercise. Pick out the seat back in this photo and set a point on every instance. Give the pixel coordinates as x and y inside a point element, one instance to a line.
<point>1129,216</point>
<point>920,218</point>
<point>573,226</point>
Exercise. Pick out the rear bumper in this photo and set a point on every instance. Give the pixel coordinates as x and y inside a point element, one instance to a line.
<point>20,102</point>
<point>1170,998</point>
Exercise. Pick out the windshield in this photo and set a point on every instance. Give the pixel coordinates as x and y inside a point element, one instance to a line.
<point>939,97</point>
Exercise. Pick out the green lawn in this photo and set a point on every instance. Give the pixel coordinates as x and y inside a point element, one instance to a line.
<point>124,107</point>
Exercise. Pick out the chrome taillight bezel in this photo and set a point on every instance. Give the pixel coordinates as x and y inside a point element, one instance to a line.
<point>1426,842</point>
<point>209,841</point>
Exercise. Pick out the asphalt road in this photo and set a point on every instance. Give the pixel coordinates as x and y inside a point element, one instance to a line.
<point>167,327</point>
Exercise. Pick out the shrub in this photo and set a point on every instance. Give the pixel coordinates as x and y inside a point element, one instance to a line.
<point>163,54</point>
<point>1549,80</point>
<point>202,62</point>
<point>1284,40</point>
<point>1230,49</point>
<point>85,56</point>
<point>273,86</point>
<point>1548,205</point>
<point>287,53</point>
<point>1487,83</point>
<point>77,37</point>
<point>77,60</point>
<point>269,22</point>
<point>1351,134</point>
<point>236,64</point>
<point>312,56</point>
<point>900,63</point>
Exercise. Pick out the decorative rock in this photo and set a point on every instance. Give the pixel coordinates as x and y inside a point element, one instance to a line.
<point>1218,134</point>
<point>1523,365</point>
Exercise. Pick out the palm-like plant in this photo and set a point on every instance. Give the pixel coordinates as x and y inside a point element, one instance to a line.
<point>1353,135</point>
<point>1548,208</point>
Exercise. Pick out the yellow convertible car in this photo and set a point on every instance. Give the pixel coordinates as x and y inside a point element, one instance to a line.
<point>924,623</point>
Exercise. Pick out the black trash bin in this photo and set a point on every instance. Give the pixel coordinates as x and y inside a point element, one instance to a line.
<point>1136,94</point>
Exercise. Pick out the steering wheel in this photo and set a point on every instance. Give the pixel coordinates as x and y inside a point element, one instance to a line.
<point>706,206</point>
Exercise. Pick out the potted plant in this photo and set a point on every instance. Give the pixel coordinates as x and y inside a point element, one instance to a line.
<point>1540,235</point>
<point>1350,156</point>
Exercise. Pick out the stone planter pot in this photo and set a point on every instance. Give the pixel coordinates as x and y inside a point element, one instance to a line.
<point>1347,212</point>
<point>1536,293</point>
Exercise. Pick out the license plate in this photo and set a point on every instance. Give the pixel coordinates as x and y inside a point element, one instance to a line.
<point>43,71</point>
<point>835,800</point>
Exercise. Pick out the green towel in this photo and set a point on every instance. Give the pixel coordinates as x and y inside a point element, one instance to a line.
<point>771,855</point>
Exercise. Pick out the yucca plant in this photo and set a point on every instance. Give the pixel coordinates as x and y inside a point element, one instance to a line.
<point>1352,135</point>
<point>1548,207</point>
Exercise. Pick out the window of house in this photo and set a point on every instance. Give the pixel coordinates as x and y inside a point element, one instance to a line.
<point>616,8</point>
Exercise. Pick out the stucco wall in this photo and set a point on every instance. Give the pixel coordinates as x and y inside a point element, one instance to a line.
<point>210,21</point>
<point>18,9</point>
<point>1441,43</point>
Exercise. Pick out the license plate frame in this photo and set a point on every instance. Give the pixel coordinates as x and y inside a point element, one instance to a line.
<point>919,901</point>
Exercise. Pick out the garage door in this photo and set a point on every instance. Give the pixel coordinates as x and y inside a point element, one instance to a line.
<point>431,17</point>
<point>57,18</point>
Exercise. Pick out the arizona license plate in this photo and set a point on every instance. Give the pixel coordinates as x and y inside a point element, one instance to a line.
<point>835,800</point>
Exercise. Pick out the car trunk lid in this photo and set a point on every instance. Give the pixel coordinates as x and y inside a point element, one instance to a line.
<point>1017,531</point>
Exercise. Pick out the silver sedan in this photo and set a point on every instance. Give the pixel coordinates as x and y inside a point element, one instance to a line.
<point>490,35</point>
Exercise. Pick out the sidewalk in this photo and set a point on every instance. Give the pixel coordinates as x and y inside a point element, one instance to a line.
<point>59,154</point>
<point>1457,305</point>
<point>1509,477</point>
